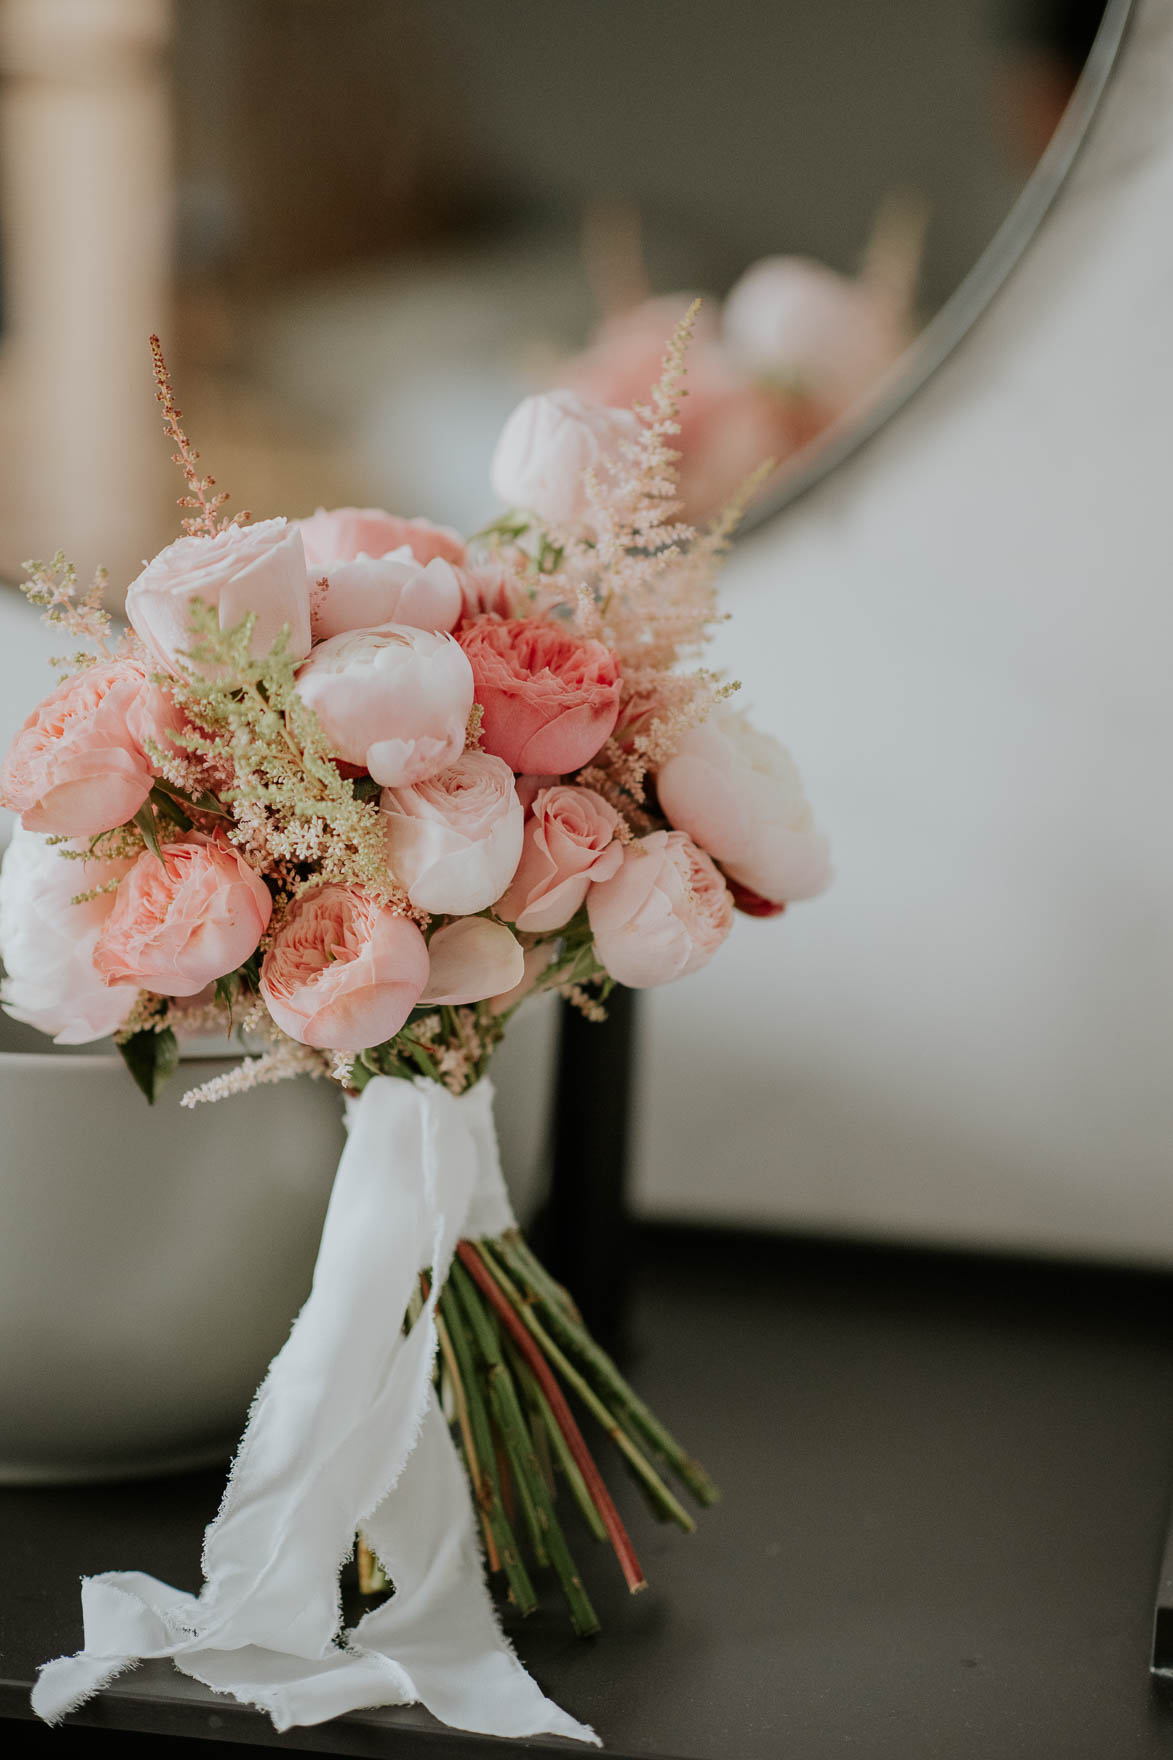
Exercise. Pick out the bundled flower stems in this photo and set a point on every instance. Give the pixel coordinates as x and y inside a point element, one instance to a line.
<point>352,788</point>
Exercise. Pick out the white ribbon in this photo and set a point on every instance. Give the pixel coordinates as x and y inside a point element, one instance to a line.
<point>344,1433</point>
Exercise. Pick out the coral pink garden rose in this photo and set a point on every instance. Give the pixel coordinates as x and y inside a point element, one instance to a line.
<point>569,843</point>
<point>343,972</point>
<point>47,941</point>
<point>454,841</point>
<point>79,766</point>
<point>339,534</point>
<point>663,915</point>
<point>259,569</point>
<point>394,701</point>
<point>549,699</point>
<point>471,959</point>
<point>546,447</point>
<point>737,792</point>
<point>183,918</point>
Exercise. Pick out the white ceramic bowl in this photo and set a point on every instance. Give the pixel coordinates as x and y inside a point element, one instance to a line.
<point>152,1259</point>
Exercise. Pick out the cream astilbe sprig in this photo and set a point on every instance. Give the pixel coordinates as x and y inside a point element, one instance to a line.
<point>294,816</point>
<point>206,521</point>
<point>53,586</point>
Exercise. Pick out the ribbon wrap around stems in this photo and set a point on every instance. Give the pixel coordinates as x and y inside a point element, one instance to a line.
<point>345,1432</point>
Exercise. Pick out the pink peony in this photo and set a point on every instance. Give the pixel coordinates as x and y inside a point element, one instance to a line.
<point>394,700</point>
<point>736,791</point>
<point>47,941</point>
<point>454,841</point>
<point>550,700</point>
<point>372,590</point>
<point>546,448</point>
<point>343,972</point>
<point>472,958</point>
<point>184,918</point>
<point>259,569</point>
<point>569,844</point>
<point>664,913</point>
<point>78,765</point>
<point>339,534</point>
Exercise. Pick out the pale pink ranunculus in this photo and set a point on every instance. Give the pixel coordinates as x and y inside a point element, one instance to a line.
<point>472,958</point>
<point>737,793</point>
<point>536,963</point>
<point>343,971</point>
<point>454,840</point>
<point>368,591</point>
<point>549,698</point>
<point>796,322</point>
<point>569,845</point>
<point>47,941</point>
<point>339,534</point>
<point>663,914</point>
<point>394,700</point>
<point>79,765</point>
<point>546,448</point>
<point>183,918</point>
<point>258,569</point>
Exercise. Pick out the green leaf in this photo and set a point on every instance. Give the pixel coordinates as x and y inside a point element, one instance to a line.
<point>145,820</point>
<point>151,1058</point>
<point>367,789</point>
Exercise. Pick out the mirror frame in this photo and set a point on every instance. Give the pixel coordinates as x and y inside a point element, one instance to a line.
<point>965,306</point>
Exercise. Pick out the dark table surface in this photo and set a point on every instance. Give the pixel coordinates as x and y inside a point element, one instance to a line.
<point>946,1491</point>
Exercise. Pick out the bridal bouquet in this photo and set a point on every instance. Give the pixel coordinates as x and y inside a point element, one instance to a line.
<point>353,788</point>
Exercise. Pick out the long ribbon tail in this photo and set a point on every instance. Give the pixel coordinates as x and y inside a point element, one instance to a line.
<point>344,1433</point>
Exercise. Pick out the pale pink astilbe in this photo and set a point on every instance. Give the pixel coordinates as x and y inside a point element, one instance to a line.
<point>53,587</point>
<point>206,521</point>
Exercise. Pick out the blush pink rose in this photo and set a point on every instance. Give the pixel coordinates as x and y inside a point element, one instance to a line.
<point>343,972</point>
<point>259,569</point>
<point>394,701</point>
<point>546,448</point>
<point>454,840</point>
<point>47,941</point>
<point>372,590</point>
<point>569,844</point>
<point>549,699</point>
<point>664,913</point>
<point>738,793</point>
<point>79,766</point>
<point>472,958</point>
<point>183,918</point>
<point>339,534</point>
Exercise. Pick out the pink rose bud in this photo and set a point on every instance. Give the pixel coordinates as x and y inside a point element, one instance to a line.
<point>394,701</point>
<point>737,792</point>
<point>664,913</point>
<point>47,941</point>
<point>796,321</point>
<point>569,844</point>
<point>549,699</point>
<point>372,590</point>
<point>340,534</point>
<point>547,446</point>
<point>472,958</point>
<point>183,918</point>
<point>259,569</point>
<point>453,841</point>
<point>343,972</point>
<point>78,765</point>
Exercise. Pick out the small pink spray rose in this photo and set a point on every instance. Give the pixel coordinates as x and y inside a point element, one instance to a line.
<point>259,569</point>
<point>664,913</point>
<point>183,918</point>
<point>549,698</point>
<point>79,766</point>
<point>569,844</point>
<point>343,972</point>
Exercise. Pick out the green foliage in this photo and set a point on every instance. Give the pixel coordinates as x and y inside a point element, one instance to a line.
<point>150,1057</point>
